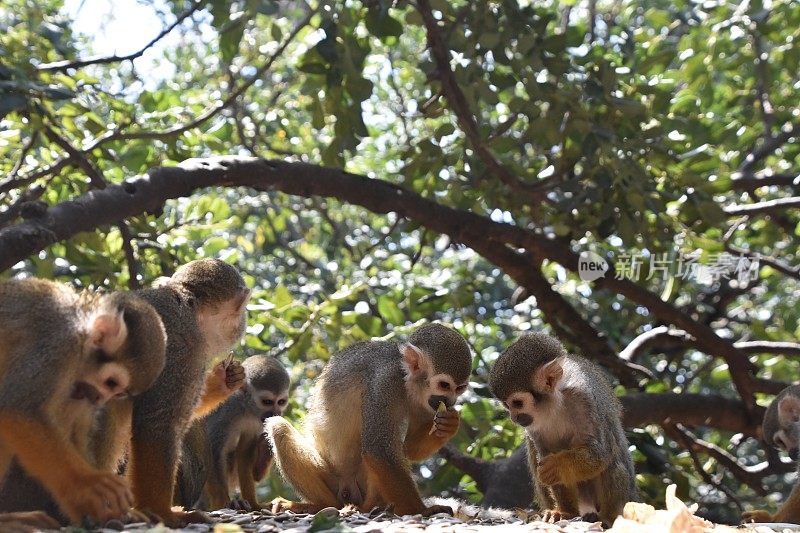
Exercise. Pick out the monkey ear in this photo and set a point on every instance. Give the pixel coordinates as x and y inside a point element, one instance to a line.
<point>108,331</point>
<point>549,375</point>
<point>414,360</point>
<point>789,410</point>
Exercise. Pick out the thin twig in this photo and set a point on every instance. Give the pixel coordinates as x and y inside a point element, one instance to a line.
<point>60,66</point>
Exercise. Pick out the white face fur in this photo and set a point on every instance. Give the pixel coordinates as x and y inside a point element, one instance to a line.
<point>786,438</point>
<point>267,403</point>
<point>532,413</point>
<point>425,389</point>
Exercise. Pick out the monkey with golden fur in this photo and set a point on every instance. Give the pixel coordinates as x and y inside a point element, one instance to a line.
<point>577,449</point>
<point>374,410</point>
<point>203,308</point>
<point>781,429</point>
<point>229,442</point>
<point>64,355</point>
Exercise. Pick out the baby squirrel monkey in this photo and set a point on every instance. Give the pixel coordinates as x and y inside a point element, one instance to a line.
<point>203,308</point>
<point>62,357</point>
<point>230,440</point>
<point>371,414</point>
<point>577,450</point>
<point>781,429</point>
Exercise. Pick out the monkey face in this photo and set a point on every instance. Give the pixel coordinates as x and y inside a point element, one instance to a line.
<point>442,388</point>
<point>522,408</point>
<point>98,386</point>
<point>787,437</point>
<point>224,325</point>
<point>267,403</point>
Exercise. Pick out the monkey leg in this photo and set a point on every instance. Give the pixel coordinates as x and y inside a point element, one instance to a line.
<point>613,492</point>
<point>152,471</point>
<point>46,455</point>
<point>390,481</point>
<point>565,503</point>
<point>757,516</point>
<point>301,465</point>
<point>790,510</point>
<point>246,452</point>
<point>263,460</point>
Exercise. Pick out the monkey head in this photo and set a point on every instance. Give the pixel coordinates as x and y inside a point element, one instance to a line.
<point>124,348</point>
<point>527,375</point>
<point>220,297</point>
<point>437,362</point>
<point>266,386</point>
<point>781,426</point>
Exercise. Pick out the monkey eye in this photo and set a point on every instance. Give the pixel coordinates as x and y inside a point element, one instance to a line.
<point>111,383</point>
<point>444,385</point>
<point>281,402</point>
<point>267,402</point>
<point>461,388</point>
<point>516,404</point>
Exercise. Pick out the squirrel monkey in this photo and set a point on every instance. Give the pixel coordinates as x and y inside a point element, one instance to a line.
<point>577,450</point>
<point>230,440</point>
<point>203,308</point>
<point>781,429</point>
<point>63,356</point>
<point>371,414</point>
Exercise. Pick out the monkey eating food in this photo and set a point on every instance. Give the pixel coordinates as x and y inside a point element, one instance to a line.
<point>230,440</point>
<point>577,450</point>
<point>370,415</point>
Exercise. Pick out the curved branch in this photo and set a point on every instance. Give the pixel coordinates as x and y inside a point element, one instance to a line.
<point>148,194</point>
<point>60,66</point>
<point>767,206</point>
<point>768,148</point>
<point>641,409</point>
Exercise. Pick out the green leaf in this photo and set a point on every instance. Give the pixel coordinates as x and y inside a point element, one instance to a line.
<point>390,311</point>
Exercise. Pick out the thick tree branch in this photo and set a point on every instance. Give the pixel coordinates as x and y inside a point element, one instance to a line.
<point>147,194</point>
<point>690,410</point>
<point>751,183</point>
<point>61,66</point>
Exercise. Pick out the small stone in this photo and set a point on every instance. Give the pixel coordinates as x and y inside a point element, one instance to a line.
<point>115,525</point>
<point>243,519</point>
<point>135,525</point>
<point>328,512</point>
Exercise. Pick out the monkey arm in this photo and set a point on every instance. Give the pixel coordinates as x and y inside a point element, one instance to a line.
<point>49,457</point>
<point>215,392</point>
<point>264,458</point>
<point>575,464</point>
<point>420,443</point>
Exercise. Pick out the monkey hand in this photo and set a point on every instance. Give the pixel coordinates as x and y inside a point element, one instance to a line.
<point>551,469</point>
<point>225,378</point>
<point>98,495</point>
<point>445,424</point>
<point>756,516</point>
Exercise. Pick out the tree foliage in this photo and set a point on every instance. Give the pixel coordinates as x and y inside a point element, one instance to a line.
<point>486,144</point>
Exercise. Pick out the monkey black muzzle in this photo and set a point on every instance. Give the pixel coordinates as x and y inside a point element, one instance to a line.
<point>794,453</point>
<point>434,401</point>
<point>523,420</point>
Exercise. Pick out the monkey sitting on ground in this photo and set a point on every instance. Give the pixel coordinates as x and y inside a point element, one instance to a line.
<point>63,356</point>
<point>203,308</point>
<point>374,410</point>
<point>577,450</point>
<point>230,440</point>
<point>781,429</point>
